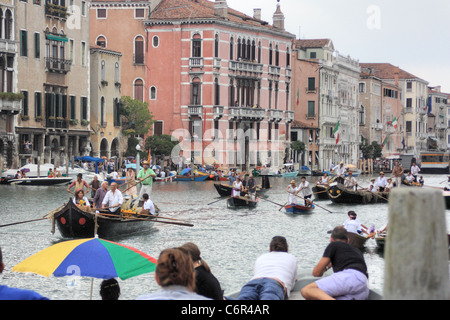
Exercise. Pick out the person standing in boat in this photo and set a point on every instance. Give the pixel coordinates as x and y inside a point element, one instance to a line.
<point>415,171</point>
<point>113,199</point>
<point>349,280</point>
<point>79,183</point>
<point>340,172</point>
<point>237,187</point>
<point>292,190</point>
<point>389,186</point>
<point>305,189</point>
<point>100,195</point>
<point>397,173</point>
<point>145,176</point>
<point>350,182</point>
<point>381,182</point>
<point>251,187</point>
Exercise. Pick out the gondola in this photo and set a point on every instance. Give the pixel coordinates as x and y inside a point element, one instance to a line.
<point>410,184</point>
<point>339,194</point>
<point>40,181</point>
<point>320,192</point>
<point>72,222</point>
<point>225,190</point>
<point>357,240</point>
<point>299,209</point>
<point>191,178</point>
<point>241,202</point>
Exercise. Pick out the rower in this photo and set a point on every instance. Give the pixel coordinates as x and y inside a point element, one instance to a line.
<point>381,182</point>
<point>79,183</point>
<point>237,187</point>
<point>113,199</point>
<point>148,208</point>
<point>292,189</point>
<point>306,190</point>
<point>251,187</point>
<point>340,172</point>
<point>350,181</point>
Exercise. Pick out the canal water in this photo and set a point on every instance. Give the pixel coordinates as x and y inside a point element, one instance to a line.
<point>230,240</point>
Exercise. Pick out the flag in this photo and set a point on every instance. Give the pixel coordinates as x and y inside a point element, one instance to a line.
<point>298,97</point>
<point>395,123</point>
<point>337,132</point>
<point>403,143</point>
<point>384,143</point>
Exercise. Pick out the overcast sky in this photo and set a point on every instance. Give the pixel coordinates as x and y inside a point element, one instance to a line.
<point>411,34</point>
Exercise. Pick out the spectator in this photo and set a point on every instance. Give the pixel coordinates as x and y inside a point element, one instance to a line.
<point>110,290</point>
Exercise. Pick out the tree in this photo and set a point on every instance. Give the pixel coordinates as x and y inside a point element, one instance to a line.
<point>160,145</point>
<point>137,119</point>
<point>371,151</point>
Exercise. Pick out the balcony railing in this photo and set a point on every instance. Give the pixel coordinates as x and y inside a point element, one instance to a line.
<point>58,65</point>
<point>14,107</point>
<point>275,115</point>
<point>56,123</point>
<point>8,46</point>
<point>274,70</point>
<point>196,63</point>
<point>242,113</point>
<point>56,11</point>
<point>246,66</point>
<point>289,116</point>
<point>195,111</point>
<point>218,112</point>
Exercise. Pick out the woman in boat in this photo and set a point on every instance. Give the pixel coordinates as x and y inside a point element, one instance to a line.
<point>131,180</point>
<point>324,180</point>
<point>237,187</point>
<point>80,200</point>
<point>292,189</point>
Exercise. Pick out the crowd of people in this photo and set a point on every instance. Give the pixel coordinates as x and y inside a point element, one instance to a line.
<point>182,274</point>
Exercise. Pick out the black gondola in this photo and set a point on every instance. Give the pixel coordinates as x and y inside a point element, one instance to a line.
<point>241,202</point>
<point>40,181</point>
<point>73,222</point>
<point>225,190</point>
<point>339,194</point>
<point>320,192</point>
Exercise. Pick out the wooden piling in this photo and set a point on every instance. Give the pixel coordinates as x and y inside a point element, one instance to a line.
<point>416,252</point>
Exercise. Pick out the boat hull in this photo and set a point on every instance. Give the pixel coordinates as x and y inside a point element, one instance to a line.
<point>241,202</point>
<point>299,209</point>
<point>339,194</point>
<point>226,190</point>
<point>320,192</point>
<point>72,222</point>
<point>40,181</point>
<point>357,240</point>
<point>191,178</point>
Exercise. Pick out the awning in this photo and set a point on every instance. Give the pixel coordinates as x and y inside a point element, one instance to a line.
<point>56,38</point>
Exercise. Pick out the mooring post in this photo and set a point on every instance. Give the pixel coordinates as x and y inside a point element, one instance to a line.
<point>416,252</point>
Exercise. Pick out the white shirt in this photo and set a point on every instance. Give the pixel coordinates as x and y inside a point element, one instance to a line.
<point>352,225</point>
<point>292,198</point>
<point>381,182</point>
<point>415,170</point>
<point>340,171</point>
<point>278,265</point>
<point>111,199</point>
<point>86,201</point>
<point>306,188</point>
<point>410,178</point>
<point>324,180</point>
<point>350,182</point>
<point>148,205</point>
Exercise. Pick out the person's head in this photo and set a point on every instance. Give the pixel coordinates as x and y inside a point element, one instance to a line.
<point>278,244</point>
<point>339,234</point>
<point>352,215</point>
<point>114,186</point>
<point>193,250</point>
<point>79,176</point>
<point>350,173</point>
<point>95,178</point>
<point>80,194</point>
<point>389,180</point>
<point>110,290</point>
<point>175,267</point>
<point>381,174</point>
<point>145,164</point>
<point>105,185</point>
<point>341,164</point>
<point>325,174</point>
<point>293,182</point>
<point>145,196</point>
<point>303,179</point>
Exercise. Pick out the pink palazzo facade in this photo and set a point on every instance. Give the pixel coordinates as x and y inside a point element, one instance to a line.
<point>219,82</point>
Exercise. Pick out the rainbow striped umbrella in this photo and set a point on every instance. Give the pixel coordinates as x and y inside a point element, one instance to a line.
<point>94,257</point>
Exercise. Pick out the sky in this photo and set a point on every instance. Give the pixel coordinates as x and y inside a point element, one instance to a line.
<point>411,34</point>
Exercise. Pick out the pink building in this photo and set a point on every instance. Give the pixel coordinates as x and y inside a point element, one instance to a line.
<point>221,78</point>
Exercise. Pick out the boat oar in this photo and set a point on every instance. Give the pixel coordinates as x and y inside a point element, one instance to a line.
<point>312,202</point>
<point>21,222</point>
<point>261,197</point>
<point>142,219</point>
<point>134,185</point>
<point>283,206</point>
<point>223,198</point>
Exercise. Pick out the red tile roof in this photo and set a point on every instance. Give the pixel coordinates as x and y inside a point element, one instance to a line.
<point>312,43</point>
<point>387,71</point>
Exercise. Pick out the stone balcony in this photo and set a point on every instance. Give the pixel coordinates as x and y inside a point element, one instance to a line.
<point>14,106</point>
<point>275,115</point>
<point>195,111</point>
<point>242,113</point>
<point>246,66</point>
<point>195,63</point>
<point>218,112</point>
<point>289,116</point>
<point>8,46</point>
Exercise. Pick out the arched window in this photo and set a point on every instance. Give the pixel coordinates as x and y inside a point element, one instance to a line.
<point>216,92</point>
<point>197,46</point>
<point>1,23</point>
<point>153,93</point>
<point>101,41</point>
<point>277,56</point>
<point>8,24</point>
<point>231,48</point>
<point>139,90</point>
<point>270,54</point>
<point>139,50</point>
<point>216,46</point>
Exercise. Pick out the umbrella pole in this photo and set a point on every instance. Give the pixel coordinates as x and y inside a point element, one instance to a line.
<point>92,288</point>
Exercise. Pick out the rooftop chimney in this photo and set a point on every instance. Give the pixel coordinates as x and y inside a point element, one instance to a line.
<point>278,18</point>
<point>396,75</point>
<point>257,14</point>
<point>221,8</point>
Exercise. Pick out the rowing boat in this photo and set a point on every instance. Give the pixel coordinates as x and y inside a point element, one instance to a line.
<point>241,202</point>
<point>299,209</point>
<point>191,178</point>
<point>339,194</point>
<point>320,192</point>
<point>357,240</point>
<point>380,241</point>
<point>40,181</point>
<point>411,184</point>
<point>225,190</point>
<point>74,222</point>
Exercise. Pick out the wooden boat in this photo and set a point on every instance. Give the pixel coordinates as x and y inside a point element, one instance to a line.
<point>380,241</point>
<point>241,202</point>
<point>299,209</point>
<point>339,194</point>
<point>357,240</point>
<point>225,190</point>
<point>40,181</point>
<point>191,178</point>
<point>411,184</point>
<point>288,174</point>
<point>320,192</point>
<point>73,222</point>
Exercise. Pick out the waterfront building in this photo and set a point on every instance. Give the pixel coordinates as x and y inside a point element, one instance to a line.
<point>223,79</point>
<point>414,103</point>
<point>10,99</point>
<point>106,135</point>
<point>437,101</point>
<point>381,114</point>
<point>53,76</point>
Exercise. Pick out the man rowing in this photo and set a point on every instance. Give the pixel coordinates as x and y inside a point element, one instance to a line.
<point>350,181</point>
<point>113,199</point>
<point>145,176</point>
